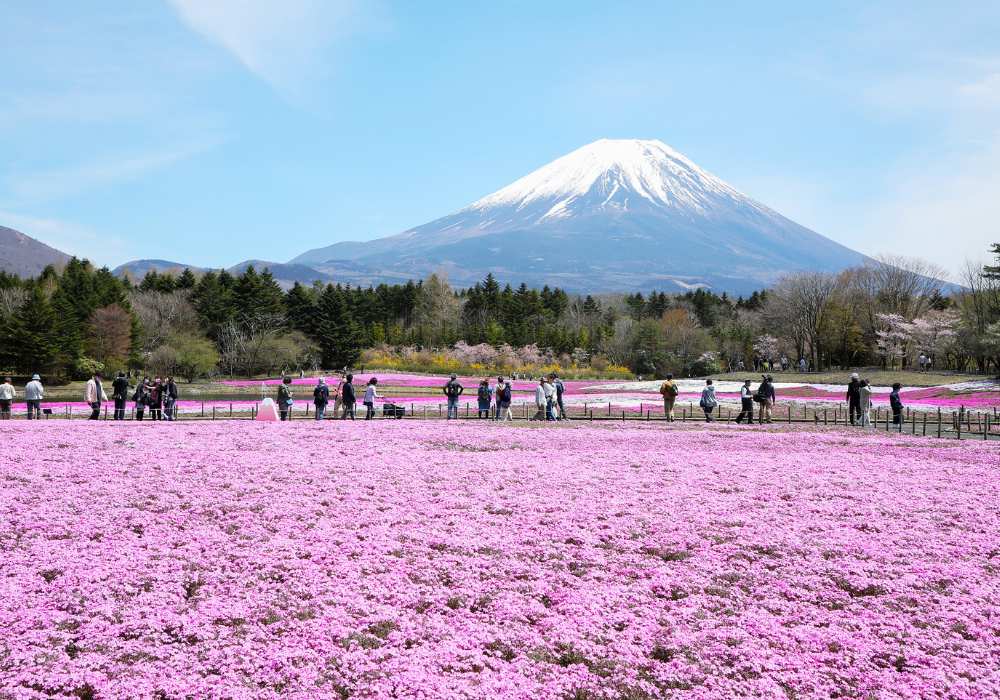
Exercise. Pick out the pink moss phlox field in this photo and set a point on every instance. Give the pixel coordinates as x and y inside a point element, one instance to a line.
<point>434,560</point>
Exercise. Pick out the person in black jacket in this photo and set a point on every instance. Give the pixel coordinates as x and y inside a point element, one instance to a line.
<point>896,404</point>
<point>321,397</point>
<point>347,397</point>
<point>119,392</point>
<point>854,399</point>
<point>156,400</point>
<point>765,393</point>
<point>170,395</point>
<point>141,397</point>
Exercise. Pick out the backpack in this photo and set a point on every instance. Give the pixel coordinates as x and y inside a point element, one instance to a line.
<point>669,390</point>
<point>505,395</point>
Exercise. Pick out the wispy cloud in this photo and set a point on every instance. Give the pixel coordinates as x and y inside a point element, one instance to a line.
<point>69,237</point>
<point>73,180</point>
<point>282,41</point>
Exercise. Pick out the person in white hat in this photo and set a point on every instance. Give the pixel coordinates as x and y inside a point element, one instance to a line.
<point>33,395</point>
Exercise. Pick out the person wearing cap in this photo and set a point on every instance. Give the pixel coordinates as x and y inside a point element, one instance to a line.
<point>33,395</point>
<point>321,397</point>
<point>746,404</point>
<point>94,395</point>
<point>453,389</point>
<point>119,393</point>
<point>854,398</point>
<point>7,394</point>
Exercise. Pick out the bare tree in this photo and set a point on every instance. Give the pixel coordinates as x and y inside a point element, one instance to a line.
<point>110,328</point>
<point>244,342</point>
<point>163,315</point>
<point>798,304</point>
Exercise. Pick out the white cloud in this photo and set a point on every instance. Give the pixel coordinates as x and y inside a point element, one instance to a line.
<point>946,209</point>
<point>281,41</point>
<point>63,182</point>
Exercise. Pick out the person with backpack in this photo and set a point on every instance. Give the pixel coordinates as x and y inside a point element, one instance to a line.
<point>34,392</point>
<point>119,394</point>
<point>141,397</point>
<point>321,397</point>
<point>7,395</point>
<point>708,401</point>
<point>746,404</point>
<point>285,400</point>
<point>347,398</point>
<point>669,391</point>
<point>484,396</point>
<point>498,398</point>
<point>505,397</point>
<point>369,399</point>
<point>453,390</point>
<point>170,395</point>
<point>896,403</point>
<point>560,390</point>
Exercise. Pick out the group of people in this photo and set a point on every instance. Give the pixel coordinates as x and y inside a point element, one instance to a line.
<point>157,395</point>
<point>34,392</point>
<point>859,402</point>
<point>496,400</point>
<point>326,398</point>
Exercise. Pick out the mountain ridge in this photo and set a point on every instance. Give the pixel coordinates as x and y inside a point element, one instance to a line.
<point>614,215</point>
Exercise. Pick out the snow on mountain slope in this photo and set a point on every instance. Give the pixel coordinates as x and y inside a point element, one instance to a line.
<point>612,215</point>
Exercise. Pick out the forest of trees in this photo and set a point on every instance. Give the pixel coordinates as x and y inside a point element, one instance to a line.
<point>67,323</point>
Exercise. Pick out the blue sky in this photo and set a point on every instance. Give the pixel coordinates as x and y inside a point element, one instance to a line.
<point>215,131</point>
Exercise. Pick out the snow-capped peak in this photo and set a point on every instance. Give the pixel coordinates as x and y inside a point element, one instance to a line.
<point>614,174</point>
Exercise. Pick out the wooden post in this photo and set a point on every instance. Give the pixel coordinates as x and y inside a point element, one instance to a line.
<point>202,409</point>
<point>939,421</point>
<point>213,412</point>
<point>609,408</point>
<point>824,416</point>
<point>231,410</point>
<point>925,423</point>
<point>959,424</point>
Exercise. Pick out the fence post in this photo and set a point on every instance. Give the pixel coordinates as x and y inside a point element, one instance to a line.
<point>925,423</point>
<point>959,424</point>
<point>213,412</point>
<point>939,421</point>
<point>202,409</point>
<point>986,428</point>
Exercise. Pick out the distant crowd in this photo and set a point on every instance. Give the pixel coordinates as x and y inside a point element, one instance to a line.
<point>158,397</point>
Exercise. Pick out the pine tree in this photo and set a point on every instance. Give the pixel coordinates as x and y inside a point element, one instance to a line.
<point>336,332</point>
<point>34,339</point>
<point>186,280</point>
<point>300,309</point>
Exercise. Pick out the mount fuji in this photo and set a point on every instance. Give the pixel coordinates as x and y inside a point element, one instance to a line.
<point>615,215</point>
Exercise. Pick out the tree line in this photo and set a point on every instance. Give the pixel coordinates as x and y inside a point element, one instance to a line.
<point>79,319</point>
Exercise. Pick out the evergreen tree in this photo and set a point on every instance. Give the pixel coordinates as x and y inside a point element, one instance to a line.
<point>300,309</point>
<point>336,332</point>
<point>186,280</point>
<point>34,334</point>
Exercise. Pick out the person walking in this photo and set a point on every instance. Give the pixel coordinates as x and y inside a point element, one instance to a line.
<point>141,398</point>
<point>285,398</point>
<point>854,398</point>
<point>896,403</point>
<point>321,397</point>
<point>7,395</point>
<point>347,398</point>
<point>865,403</point>
<point>766,394</point>
<point>669,391</point>
<point>371,393</point>
<point>803,366</point>
<point>170,395</point>
<point>453,389</point>
<point>94,395</point>
<point>484,396</point>
<point>560,390</point>
<point>34,392</point>
<point>119,394</point>
<point>155,400</point>
<point>708,401</point>
<point>746,404</point>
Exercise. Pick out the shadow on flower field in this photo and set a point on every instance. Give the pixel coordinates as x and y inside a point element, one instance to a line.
<point>436,560</point>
